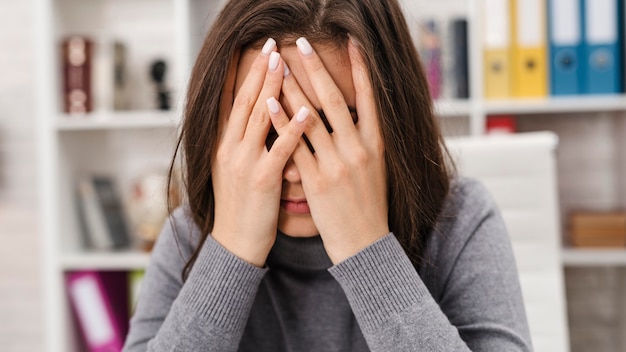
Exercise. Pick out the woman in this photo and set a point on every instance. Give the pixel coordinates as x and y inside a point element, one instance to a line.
<point>340,229</point>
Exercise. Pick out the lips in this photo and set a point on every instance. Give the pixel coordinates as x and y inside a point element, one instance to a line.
<point>295,206</point>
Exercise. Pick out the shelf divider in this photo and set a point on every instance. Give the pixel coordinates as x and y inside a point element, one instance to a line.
<point>89,260</point>
<point>586,257</point>
<point>118,120</point>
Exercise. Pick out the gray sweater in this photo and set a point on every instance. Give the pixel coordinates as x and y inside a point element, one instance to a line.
<point>466,297</point>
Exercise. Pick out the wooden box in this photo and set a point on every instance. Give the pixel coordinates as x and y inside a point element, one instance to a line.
<point>598,229</point>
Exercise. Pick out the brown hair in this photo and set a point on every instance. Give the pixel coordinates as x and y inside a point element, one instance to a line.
<point>418,178</point>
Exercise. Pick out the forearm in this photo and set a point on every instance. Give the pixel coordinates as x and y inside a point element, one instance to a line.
<point>396,311</point>
<point>213,306</point>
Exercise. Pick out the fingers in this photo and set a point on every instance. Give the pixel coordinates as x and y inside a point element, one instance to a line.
<point>316,131</point>
<point>365,103</point>
<point>289,141</point>
<point>329,95</point>
<point>259,120</point>
<point>248,94</point>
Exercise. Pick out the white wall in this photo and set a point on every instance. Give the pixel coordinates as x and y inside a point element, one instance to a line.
<point>21,313</point>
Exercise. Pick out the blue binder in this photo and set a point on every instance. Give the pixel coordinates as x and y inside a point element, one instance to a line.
<point>602,42</point>
<point>565,33</point>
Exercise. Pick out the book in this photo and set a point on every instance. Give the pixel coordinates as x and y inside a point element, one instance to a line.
<point>135,278</point>
<point>121,99</point>
<point>98,300</point>
<point>101,214</point>
<point>460,69</point>
<point>598,229</point>
<point>501,124</point>
<point>77,62</point>
<point>497,49</point>
<point>529,49</point>
<point>431,56</point>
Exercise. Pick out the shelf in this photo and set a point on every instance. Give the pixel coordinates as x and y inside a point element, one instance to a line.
<point>452,108</point>
<point>594,257</point>
<point>118,120</point>
<point>123,260</point>
<point>572,104</point>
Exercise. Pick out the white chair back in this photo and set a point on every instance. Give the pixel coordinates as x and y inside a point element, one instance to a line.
<point>519,172</point>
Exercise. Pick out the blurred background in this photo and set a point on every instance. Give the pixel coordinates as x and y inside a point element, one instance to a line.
<point>21,288</point>
<point>530,95</point>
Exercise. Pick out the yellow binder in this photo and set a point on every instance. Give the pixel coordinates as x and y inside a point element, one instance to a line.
<point>529,53</point>
<point>497,52</point>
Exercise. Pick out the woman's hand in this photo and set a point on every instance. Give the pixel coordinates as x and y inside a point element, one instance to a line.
<point>247,178</point>
<point>345,179</point>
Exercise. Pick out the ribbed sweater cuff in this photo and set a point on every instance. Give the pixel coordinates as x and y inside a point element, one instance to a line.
<point>221,287</point>
<point>379,282</point>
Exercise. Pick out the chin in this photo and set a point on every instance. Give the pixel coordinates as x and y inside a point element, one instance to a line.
<point>297,226</point>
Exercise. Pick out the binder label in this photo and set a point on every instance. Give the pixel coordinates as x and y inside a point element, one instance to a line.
<point>529,27</point>
<point>497,32</point>
<point>565,22</point>
<point>601,21</point>
<point>91,310</point>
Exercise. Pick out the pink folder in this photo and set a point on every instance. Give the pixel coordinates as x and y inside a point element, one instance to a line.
<point>98,300</point>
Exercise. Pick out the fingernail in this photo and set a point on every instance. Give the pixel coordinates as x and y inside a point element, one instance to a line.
<point>353,41</point>
<point>273,63</point>
<point>302,114</point>
<point>287,72</point>
<point>272,104</point>
<point>268,46</point>
<point>304,46</point>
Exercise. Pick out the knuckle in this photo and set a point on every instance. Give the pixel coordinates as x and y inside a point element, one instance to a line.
<point>264,180</point>
<point>292,132</point>
<point>280,153</point>
<point>338,173</point>
<point>244,102</point>
<point>320,185</point>
<point>221,156</point>
<point>258,117</point>
<point>314,121</point>
<point>316,65</point>
<point>335,100</point>
<point>359,156</point>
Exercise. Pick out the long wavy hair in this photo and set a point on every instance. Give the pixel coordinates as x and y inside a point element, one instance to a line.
<point>416,159</point>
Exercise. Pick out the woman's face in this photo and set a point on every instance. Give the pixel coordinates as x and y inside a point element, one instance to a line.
<point>294,217</point>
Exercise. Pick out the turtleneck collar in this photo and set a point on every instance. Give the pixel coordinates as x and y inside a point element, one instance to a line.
<point>299,253</point>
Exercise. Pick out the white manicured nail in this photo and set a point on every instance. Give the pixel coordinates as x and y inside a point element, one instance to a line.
<point>272,104</point>
<point>273,63</point>
<point>354,41</point>
<point>287,72</point>
<point>268,46</point>
<point>302,114</point>
<point>304,46</point>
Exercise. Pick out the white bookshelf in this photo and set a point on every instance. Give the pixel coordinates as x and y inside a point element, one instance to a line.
<point>574,104</point>
<point>593,257</point>
<point>453,108</point>
<point>120,143</point>
<point>122,260</point>
<point>119,120</point>
<point>124,142</point>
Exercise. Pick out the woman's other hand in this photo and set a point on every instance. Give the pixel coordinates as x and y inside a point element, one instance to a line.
<point>247,177</point>
<point>345,178</point>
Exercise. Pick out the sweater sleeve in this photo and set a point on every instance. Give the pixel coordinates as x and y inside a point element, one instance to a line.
<point>481,306</point>
<point>206,313</point>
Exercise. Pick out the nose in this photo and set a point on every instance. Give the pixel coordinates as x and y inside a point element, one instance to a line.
<point>291,173</point>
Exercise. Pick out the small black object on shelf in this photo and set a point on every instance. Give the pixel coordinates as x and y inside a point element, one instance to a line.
<point>157,72</point>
